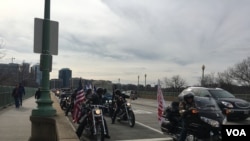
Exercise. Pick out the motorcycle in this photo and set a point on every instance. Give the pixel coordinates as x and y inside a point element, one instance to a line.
<point>94,125</point>
<point>108,108</point>
<point>65,102</point>
<point>126,113</point>
<point>205,124</point>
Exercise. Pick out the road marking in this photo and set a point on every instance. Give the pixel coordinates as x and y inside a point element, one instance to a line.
<point>153,139</point>
<point>137,111</point>
<point>158,131</point>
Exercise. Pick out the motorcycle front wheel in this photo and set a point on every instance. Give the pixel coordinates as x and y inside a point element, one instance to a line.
<point>100,132</point>
<point>131,119</point>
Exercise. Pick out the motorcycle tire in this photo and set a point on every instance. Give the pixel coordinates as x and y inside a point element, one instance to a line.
<point>62,105</point>
<point>131,119</point>
<point>100,132</point>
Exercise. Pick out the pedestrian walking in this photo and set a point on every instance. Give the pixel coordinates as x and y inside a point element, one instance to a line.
<point>38,93</point>
<point>21,93</point>
<point>15,95</point>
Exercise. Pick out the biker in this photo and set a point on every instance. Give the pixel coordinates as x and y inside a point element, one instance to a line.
<point>119,100</point>
<point>94,99</point>
<point>73,96</point>
<point>185,108</point>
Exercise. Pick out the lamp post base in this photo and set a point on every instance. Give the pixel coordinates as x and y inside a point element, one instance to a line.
<point>44,108</point>
<point>43,129</point>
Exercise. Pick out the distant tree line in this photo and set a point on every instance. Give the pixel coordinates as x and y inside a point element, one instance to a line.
<point>235,79</point>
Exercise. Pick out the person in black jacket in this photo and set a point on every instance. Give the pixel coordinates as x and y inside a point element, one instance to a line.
<point>185,108</point>
<point>21,93</point>
<point>38,93</point>
<point>15,94</point>
<point>72,99</point>
<point>119,99</point>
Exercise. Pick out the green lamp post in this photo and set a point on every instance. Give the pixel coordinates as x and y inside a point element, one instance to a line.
<point>43,117</point>
<point>44,108</point>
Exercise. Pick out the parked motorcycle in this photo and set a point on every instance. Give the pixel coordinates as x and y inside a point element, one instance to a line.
<point>94,125</point>
<point>205,123</point>
<point>126,113</point>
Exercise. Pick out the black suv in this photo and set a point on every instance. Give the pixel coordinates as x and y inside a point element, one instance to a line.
<point>238,108</point>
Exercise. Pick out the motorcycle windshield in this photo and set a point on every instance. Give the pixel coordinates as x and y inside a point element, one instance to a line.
<point>206,103</point>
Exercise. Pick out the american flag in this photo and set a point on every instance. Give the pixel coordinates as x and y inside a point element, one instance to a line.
<point>161,103</point>
<point>78,102</point>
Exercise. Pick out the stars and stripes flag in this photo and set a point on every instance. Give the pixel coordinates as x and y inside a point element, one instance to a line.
<point>161,103</point>
<point>78,102</point>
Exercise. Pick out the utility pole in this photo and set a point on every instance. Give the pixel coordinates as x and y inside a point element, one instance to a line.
<point>41,117</point>
<point>44,107</point>
<point>12,59</point>
<point>202,77</point>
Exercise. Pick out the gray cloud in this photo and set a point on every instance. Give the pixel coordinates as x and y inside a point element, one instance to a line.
<point>126,38</point>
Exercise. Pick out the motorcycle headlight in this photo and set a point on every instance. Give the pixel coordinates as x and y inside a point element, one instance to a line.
<point>128,104</point>
<point>227,104</point>
<point>97,111</point>
<point>211,122</point>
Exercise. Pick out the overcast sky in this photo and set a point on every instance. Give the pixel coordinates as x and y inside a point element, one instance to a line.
<point>124,39</point>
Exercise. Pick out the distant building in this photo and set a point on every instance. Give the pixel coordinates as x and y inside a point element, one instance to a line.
<point>12,73</point>
<point>9,74</point>
<point>35,70</point>
<point>55,83</point>
<point>65,74</point>
<point>74,83</point>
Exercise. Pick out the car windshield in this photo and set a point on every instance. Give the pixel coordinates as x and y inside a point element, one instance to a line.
<point>206,103</point>
<point>221,94</point>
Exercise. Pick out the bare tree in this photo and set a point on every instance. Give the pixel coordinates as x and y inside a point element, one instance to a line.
<point>209,80</point>
<point>224,78</point>
<point>241,72</point>
<point>175,82</point>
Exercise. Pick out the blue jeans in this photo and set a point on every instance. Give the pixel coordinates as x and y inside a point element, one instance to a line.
<point>20,100</point>
<point>16,102</point>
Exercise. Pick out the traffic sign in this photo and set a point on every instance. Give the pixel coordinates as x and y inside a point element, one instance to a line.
<point>38,36</point>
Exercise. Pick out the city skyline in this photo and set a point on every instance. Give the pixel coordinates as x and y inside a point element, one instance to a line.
<point>120,40</point>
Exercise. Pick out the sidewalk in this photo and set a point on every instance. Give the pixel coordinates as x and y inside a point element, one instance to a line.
<point>15,123</point>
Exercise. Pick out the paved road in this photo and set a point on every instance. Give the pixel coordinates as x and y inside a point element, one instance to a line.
<point>146,128</point>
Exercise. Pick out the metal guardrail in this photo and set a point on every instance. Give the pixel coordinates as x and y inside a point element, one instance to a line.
<point>6,98</point>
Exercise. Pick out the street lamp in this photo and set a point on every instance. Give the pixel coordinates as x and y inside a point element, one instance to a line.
<point>41,116</point>
<point>20,71</point>
<point>145,80</point>
<point>138,80</point>
<point>202,78</point>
